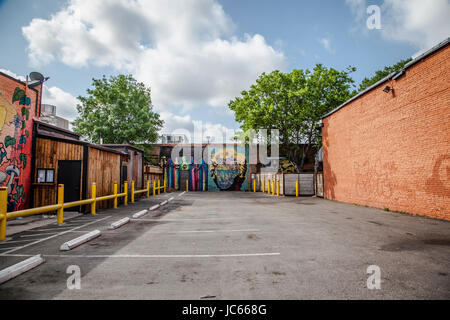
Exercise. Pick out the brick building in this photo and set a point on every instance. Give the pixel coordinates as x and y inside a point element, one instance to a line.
<point>389,146</point>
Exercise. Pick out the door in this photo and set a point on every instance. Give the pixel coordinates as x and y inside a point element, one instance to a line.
<point>69,174</point>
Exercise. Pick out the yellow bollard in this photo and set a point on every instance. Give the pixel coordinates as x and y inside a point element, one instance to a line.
<point>254,185</point>
<point>268,186</point>
<point>3,211</point>
<point>263,185</point>
<point>154,188</point>
<point>159,186</point>
<point>115,195</point>
<point>60,211</point>
<point>125,189</point>
<point>296,188</point>
<point>187,185</point>
<point>273,187</point>
<point>278,188</point>
<point>165,185</point>
<point>93,196</point>
<point>148,188</point>
<point>132,191</point>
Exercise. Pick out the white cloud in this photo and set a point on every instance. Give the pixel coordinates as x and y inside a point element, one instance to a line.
<point>422,23</point>
<point>327,45</point>
<point>12,74</point>
<point>65,103</point>
<point>196,131</point>
<point>185,50</point>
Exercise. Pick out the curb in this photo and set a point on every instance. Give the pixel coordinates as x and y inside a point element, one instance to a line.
<point>21,267</point>
<point>139,214</point>
<point>80,240</point>
<point>119,223</point>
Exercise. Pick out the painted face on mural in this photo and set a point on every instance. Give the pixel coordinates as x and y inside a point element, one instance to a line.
<point>228,169</point>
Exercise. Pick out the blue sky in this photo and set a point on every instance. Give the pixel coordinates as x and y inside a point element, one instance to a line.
<point>196,55</point>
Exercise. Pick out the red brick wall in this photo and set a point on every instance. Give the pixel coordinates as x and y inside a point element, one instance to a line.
<point>16,130</point>
<point>392,151</point>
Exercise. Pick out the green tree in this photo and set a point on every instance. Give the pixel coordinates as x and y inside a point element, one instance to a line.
<point>118,110</point>
<point>380,74</point>
<point>293,103</point>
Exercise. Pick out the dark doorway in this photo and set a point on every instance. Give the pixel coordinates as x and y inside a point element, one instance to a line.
<point>69,174</point>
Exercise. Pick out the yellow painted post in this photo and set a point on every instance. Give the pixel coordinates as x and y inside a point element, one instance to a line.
<point>296,188</point>
<point>254,185</point>
<point>115,194</point>
<point>263,185</point>
<point>60,211</point>
<point>273,187</point>
<point>132,191</point>
<point>148,188</point>
<point>165,185</point>
<point>268,186</point>
<point>154,188</point>
<point>93,196</point>
<point>278,188</point>
<point>187,185</point>
<point>3,211</point>
<point>125,189</point>
<point>159,186</point>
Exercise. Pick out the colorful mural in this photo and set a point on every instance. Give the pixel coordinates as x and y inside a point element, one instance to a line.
<point>228,169</point>
<point>198,174</point>
<point>15,147</point>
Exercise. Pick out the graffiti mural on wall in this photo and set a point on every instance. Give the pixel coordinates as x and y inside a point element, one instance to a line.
<point>228,168</point>
<point>198,174</point>
<point>15,147</point>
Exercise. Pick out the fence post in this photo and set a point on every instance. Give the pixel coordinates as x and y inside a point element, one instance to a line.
<point>278,188</point>
<point>159,186</point>
<point>93,196</point>
<point>125,188</point>
<point>60,211</point>
<point>154,188</point>
<point>148,188</point>
<point>132,191</point>
<point>115,195</point>
<point>296,188</point>
<point>3,211</point>
<point>263,185</point>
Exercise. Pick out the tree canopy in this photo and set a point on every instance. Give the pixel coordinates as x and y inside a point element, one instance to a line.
<point>380,74</point>
<point>118,110</point>
<point>293,103</point>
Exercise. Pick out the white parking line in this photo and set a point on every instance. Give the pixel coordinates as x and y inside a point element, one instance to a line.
<point>209,231</point>
<point>51,229</point>
<point>14,241</point>
<point>182,193</point>
<point>53,236</point>
<point>149,256</point>
<point>7,248</point>
<point>38,234</point>
<point>192,219</point>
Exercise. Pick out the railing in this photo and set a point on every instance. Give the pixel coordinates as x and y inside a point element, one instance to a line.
<point>271,190</point>
<point>273,186</point>
<point>60,206</point>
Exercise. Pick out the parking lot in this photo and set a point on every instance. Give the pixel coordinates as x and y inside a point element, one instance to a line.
<point>236,245</point>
